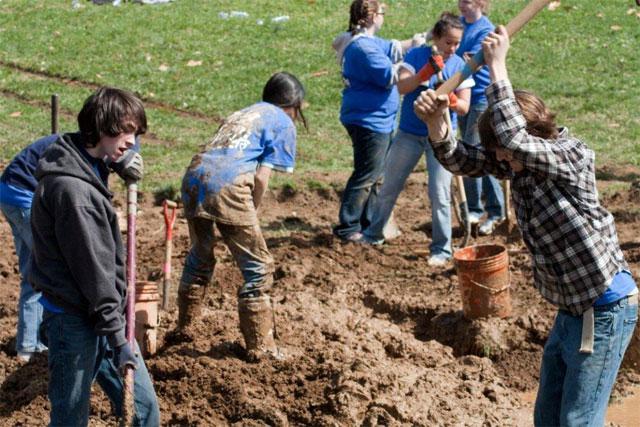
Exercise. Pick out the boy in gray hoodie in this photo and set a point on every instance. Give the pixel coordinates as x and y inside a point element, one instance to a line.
<point>78,260</point>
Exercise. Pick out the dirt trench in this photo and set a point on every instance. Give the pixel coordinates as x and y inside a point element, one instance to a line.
<point>373,335</point>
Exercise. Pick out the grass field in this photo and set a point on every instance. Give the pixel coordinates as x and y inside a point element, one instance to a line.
<point>192,68</point>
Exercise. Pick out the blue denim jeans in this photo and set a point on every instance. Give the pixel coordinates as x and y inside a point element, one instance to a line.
<point>77,357</point>
<point>369,152</point>
<point>487,185</point>
<point>575,387</point>
<point>29,309</point>
<point>246,244</point>
<point>404,153</point>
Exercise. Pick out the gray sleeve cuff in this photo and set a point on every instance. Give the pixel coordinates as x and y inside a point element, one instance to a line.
<point>117,339</point>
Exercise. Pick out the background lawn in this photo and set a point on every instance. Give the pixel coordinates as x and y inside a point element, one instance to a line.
<point>192,68</point>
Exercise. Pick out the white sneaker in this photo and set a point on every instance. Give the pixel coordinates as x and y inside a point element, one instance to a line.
<point>489,225</point>
<point>437,261</point>
<point>474,218</point>
<point>25,356</point>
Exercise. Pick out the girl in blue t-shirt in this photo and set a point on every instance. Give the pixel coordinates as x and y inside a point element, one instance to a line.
<point>370,102</point>
<point>223,186</point>
<point>411,139</point>
<point>476,27</point>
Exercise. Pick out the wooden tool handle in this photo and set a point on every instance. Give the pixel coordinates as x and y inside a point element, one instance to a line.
<point>515,25</point>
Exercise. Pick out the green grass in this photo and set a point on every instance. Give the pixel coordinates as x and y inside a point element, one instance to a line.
<point>580,58</point>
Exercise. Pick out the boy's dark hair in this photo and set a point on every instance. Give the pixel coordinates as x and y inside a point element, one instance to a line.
<point>360,12</point>
<point>285,90</point>
<point>110,111</point>
<point>446,22</point>
<point>540,120</point>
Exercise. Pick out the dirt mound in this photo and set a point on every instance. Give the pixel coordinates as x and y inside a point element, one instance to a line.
<point>373,336</point>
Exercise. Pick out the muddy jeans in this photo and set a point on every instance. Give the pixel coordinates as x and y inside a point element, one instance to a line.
<point>575,387</point>
<point>247,246</point>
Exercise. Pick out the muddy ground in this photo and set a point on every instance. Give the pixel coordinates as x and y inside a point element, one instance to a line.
<point>373,335</point>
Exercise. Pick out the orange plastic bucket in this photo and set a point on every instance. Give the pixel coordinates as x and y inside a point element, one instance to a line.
<point>483,279</point>
<point>147,298</point>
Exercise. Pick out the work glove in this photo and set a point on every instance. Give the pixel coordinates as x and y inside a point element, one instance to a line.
<point>129,166</point>
<point>124,358</point>
<point>453,100</point>
<point>433,66</point>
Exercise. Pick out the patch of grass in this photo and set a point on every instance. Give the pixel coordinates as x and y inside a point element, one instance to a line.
<point>193,68</point>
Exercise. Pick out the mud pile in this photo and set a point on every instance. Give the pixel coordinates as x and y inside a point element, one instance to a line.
<point>373,335</point>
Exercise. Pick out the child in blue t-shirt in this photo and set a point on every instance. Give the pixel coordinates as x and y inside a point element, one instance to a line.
<point>476,27</point>
<point>223,186</point>
<point>370,102</point>
<point>411,139</point>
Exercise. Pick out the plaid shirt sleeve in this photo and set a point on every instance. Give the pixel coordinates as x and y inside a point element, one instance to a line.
<point>558,159</point>
<point>464,159</point>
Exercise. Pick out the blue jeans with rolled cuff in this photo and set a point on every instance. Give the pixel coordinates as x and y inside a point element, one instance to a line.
<point>575,387</point>
<point>77,357</point>
<point>487,185</point>
<point>369,153</point>
<point>29,309</point>
<point>404,153</point>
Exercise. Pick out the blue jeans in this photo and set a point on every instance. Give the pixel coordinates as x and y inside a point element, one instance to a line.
<point>575,387</point>
<point>475,187</point>
<point>404,153</point>
<point>29,309</point>
<point>369,152</point>
<point>246,244</point>
<point>77,357</point>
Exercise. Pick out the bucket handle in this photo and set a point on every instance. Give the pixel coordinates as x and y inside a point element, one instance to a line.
<point>491,290</point>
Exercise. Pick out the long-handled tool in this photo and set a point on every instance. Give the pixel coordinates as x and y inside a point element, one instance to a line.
<point>169,220</point>
<point>128,410</point>
<point>462,195</point>
<point>515,25</point>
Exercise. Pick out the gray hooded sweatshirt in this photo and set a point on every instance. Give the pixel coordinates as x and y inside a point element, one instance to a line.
<point>78,259</point>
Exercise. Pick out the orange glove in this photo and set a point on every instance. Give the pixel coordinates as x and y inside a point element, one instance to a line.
<point>453,100</point>
<point>434,66</point>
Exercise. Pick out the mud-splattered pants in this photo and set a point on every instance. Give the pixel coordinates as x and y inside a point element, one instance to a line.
<point>247,246</point>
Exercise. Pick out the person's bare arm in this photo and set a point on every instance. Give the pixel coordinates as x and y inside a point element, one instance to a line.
<point>261,184</point>
<point>464,100</point>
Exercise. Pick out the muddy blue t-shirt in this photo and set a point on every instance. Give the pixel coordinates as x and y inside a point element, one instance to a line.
<point>259,135</point>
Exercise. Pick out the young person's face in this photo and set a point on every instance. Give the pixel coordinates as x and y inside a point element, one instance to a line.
<point>449,42</point>
<point>469,8</point>
<point>378,19</point>
<point>503,155</point>
<point>114,147</point>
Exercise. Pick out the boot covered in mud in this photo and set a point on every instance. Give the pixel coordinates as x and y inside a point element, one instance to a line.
<point>190,299</point>
<point>256,324</point>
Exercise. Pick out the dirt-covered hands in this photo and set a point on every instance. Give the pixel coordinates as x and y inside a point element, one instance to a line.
<point>430,108</point>
<point>495,47</point>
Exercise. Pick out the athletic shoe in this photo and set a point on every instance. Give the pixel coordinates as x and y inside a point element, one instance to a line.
<point>438,261</point>
<point>489,226</point>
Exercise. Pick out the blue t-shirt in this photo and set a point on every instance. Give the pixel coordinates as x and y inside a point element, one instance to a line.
<point>18,182</point>
<point>472,38</point>
<point>261,134</point>
<point>621,286</point>
<point>415,59</point>
<point>370,98</point>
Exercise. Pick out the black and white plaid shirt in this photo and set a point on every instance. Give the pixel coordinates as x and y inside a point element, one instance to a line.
<point>572,239</point>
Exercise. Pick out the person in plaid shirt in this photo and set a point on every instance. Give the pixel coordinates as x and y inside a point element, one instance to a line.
<point>577,262</point>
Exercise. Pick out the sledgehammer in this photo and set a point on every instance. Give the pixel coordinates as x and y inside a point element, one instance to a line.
<point>472,65</point>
